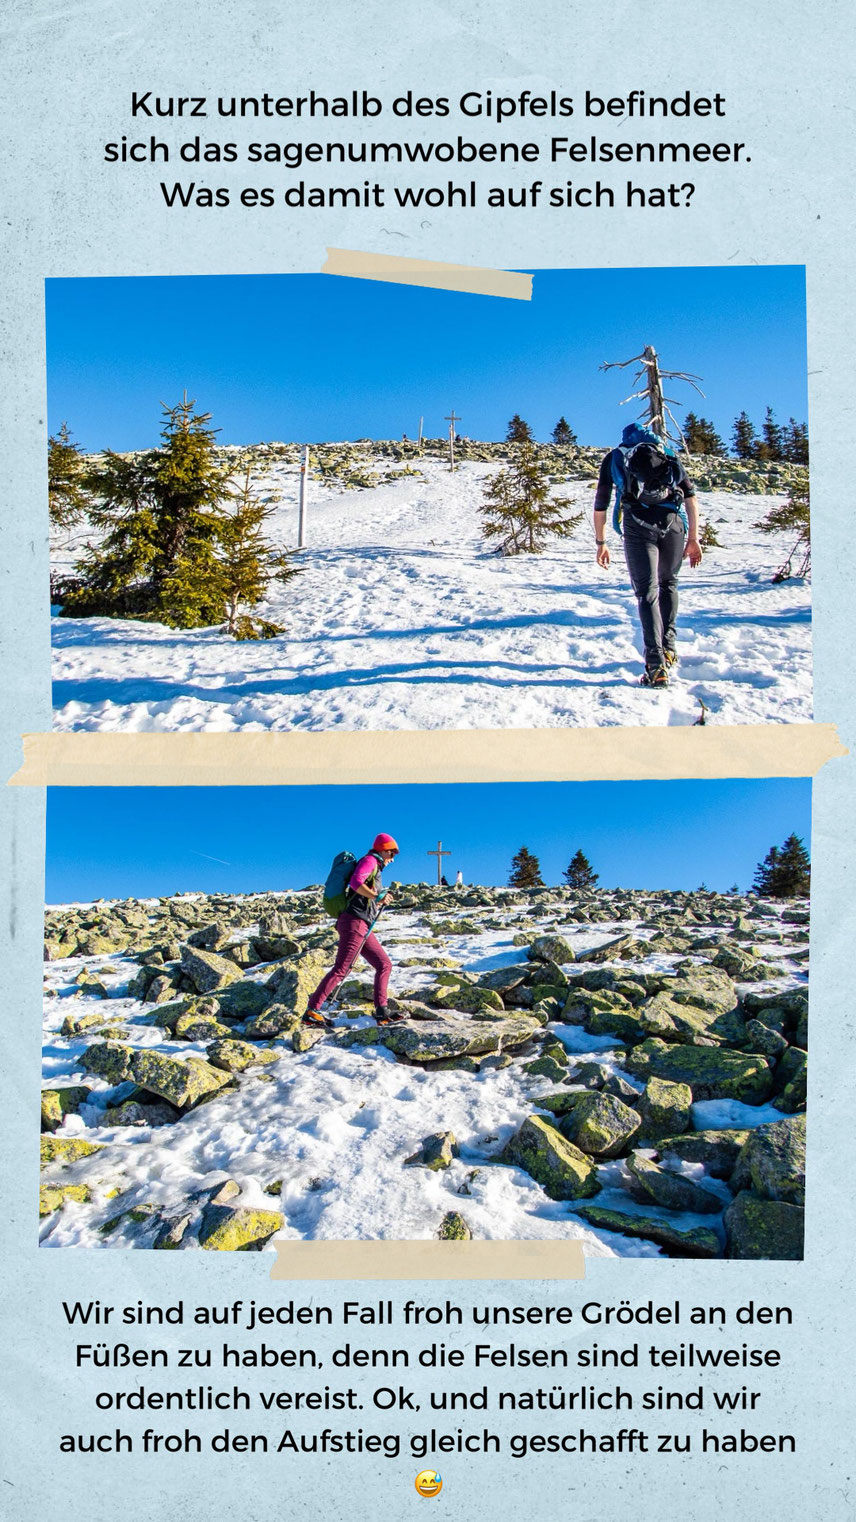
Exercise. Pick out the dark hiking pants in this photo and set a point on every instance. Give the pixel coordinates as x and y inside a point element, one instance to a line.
<point>356,939</point>
<point>653,558</point>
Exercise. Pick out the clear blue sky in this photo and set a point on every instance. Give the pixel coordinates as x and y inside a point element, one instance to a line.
<point>317,357</point>
<point>132,842</point>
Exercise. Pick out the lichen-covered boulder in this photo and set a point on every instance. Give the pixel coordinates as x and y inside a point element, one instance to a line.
<point>697,1243</point>
<point>57,1103</point>
<point>275,1020</point>
<point>109,1059</point>
<point>712,1072</point>
<point>772,1161</point>
<point>759,1228</point>
<point>235,1228</point>
<point>716,1150</point>
<point>236,1056</point>
<point>53,1196</point>
<point>664,1108</point>
<point>457,1038</point>
<point>76,1025</point>
<point>563,1170</point>
<point>243,1000</point>
<point>453,1228</point>
<point>551,948</point>
<point>206,970</point>
<point>291,983</point>
<point>181,1081</point>
<point>436,1152</point>
<point>469,998</point>
<point>66,1149</point>
<point>195,1027</point>
<point>600,1124</point>
<point>652,1185</point>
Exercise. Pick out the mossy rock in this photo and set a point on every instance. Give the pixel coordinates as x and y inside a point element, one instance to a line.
<point>229,1228</point>
<point>712,1072</point>
<point>716,1150</point>
<point>236,1056</point>
<point>66,1149</point>
<point>769,1229</point>
<point>453,1228</point>
<point>435,1152</point>
<point>563,1171</point>
<point>57,1103</point>
<point>772,1161</point>
<point>652,1185</point>
<point>195,1027</point>
<point>600,1125</point>
<point>243,1000</point>
<point>109,1059</point>
<point>206,970</point>
<point>697,1243</point>
<point>664,1108</point>
<point>53,1196</point>
<point>75,1025</point>
<point>183,1082</point>
<point>275,1020</point>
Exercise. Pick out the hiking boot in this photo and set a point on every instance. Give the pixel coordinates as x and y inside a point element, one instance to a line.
<point>385,1016</point>
<point>316,1021</point>
<point>655,676</point>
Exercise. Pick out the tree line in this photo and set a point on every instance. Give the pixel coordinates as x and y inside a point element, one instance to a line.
<point>779,442</point>
<point>183,539</point>
<point>785,871</point>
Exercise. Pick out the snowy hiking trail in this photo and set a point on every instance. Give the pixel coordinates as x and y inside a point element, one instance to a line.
<point>334,1125</point>
<point>403,618</point>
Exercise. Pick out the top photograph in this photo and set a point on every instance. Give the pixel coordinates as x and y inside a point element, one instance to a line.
<point>312,502</point>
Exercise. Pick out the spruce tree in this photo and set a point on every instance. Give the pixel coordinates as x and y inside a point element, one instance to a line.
<point>793,516</point>
<point>68,499</point>
<point>772,436</point>
<point>519,511</point>
<point>795,442</point>
<point>785,872</point>
<point>744,437</point>
<point>579,873</point>
<point>518,431</point>
<point>525,870</point>
<point>161,512</point>
<point>247,562</point>
<point>563,433</point>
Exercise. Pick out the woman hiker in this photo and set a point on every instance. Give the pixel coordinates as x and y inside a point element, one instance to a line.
<point>656,513</point>
<point>366,895</point>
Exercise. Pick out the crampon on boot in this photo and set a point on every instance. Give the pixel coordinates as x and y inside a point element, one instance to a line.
<point>654,676</point>
<point>314,1019</point>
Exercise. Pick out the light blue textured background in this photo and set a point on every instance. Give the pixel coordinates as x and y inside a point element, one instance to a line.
<point>68,73</point>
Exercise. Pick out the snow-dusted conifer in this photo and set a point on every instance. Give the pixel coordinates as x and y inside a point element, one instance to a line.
<point>519,511</point>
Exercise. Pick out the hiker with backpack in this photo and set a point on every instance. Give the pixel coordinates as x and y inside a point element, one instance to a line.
<point>656,513</point>
<point>354,895</point>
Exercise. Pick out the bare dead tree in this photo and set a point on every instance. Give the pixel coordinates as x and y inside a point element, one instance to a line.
<point>656,410</point>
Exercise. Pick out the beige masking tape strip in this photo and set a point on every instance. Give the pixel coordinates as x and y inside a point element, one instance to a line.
<point>443,277</point>
<point>428,1260</point>
<point>423,756</point>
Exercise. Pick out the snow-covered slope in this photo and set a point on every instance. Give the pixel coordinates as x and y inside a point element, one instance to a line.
<point>404,619</point>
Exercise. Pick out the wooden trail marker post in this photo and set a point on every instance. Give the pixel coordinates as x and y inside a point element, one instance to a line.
<point>439,853</point>
<point>301,516</point>
<point>452,419</point>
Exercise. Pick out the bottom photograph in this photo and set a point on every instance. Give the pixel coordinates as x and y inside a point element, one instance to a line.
<point>505,1011</point>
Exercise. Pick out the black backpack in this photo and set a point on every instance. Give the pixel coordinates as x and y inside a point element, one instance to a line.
<point>651,477</point>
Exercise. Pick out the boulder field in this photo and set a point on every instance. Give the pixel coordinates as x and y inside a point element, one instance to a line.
<point>636,1059</point>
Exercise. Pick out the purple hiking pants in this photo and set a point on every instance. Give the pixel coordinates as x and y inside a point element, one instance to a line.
<point>354,942</point>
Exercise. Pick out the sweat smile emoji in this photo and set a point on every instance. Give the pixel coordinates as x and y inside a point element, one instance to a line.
<point>428,1482</point>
